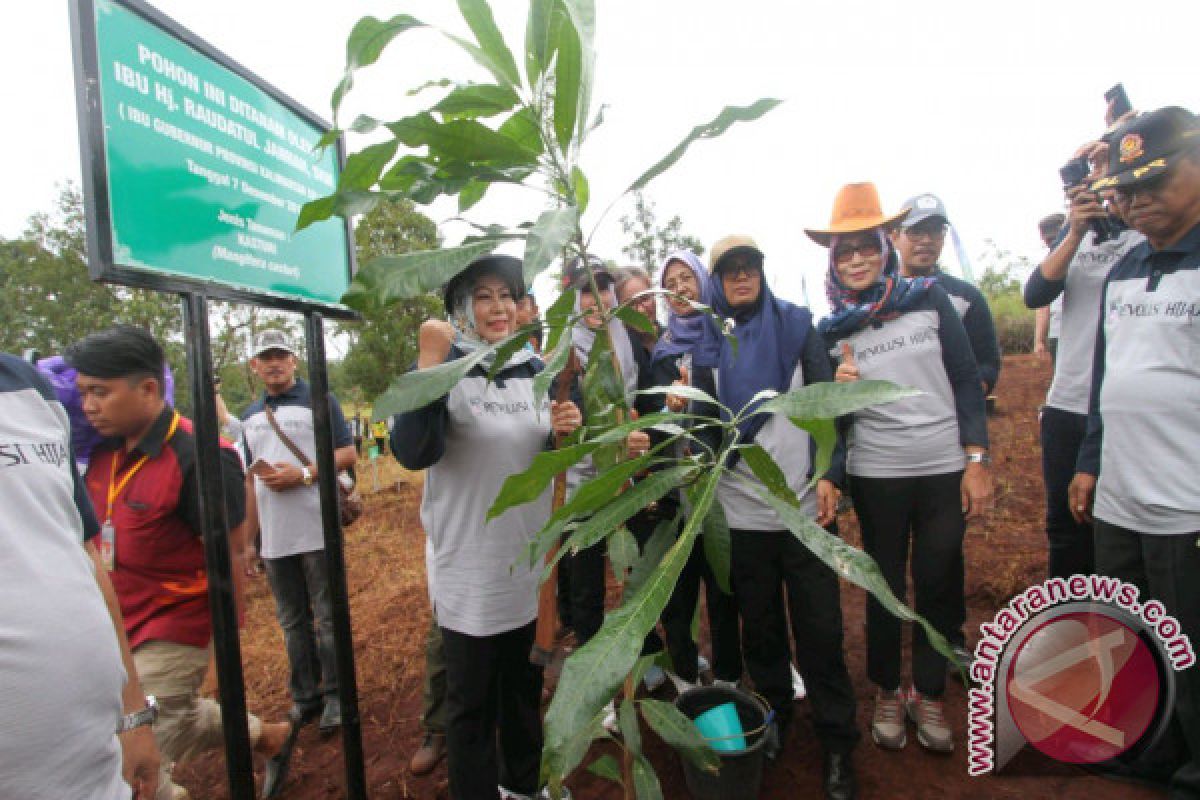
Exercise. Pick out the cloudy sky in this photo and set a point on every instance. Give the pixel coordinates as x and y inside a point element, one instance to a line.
<point>979,103</point>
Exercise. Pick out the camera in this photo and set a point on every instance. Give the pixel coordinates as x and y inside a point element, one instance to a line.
<point>1074,173</point>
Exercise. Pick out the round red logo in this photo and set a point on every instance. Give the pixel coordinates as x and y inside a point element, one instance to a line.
<point>1083,688</point>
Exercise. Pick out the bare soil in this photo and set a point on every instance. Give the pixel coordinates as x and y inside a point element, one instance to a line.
<point>390,612</point>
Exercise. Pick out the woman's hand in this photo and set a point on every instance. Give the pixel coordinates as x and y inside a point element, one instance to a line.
<point>1080,495</point>
<point>675,402</point>
<point>433,342</point>
<point>827,502</point>
<point>976,491</point>
<point>847,371</point>
<point>565,418</point>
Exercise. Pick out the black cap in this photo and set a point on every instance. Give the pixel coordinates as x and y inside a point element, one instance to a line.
<point>575,276</point>
<point>1148,145</point>
<point>507,268</point>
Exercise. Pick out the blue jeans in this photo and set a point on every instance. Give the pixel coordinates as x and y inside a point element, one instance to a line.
<point>300,584</point>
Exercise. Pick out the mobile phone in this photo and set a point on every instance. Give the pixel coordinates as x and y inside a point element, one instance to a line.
<point>261,468</point>
<point>1118,102</point>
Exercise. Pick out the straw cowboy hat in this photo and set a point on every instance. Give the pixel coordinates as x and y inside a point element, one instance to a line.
<point>856,208</point>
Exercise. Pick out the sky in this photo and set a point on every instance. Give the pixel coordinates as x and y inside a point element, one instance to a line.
<point>978,103</point>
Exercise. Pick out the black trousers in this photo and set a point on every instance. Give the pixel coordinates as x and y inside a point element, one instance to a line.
<point>1072,551</point>
<point>926,511</point>
<point>494,724</point>
<point>766,566</point>
<point>586,579</point>
<point>1165,567</point>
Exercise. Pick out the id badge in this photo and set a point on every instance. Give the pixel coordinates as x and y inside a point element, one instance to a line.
<point>108,545</point>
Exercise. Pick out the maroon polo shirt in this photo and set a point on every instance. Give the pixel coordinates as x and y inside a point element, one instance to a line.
<point>159,573</point>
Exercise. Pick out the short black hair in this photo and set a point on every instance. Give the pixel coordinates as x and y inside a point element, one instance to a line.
<point>122,351</point>
<point>1052,223</point>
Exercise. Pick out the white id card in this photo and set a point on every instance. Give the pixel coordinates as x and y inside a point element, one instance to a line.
<point>108,545</point>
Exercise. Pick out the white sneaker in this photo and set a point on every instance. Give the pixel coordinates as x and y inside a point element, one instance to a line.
<point>702,664</point>
<point>725,684</point>
<point>609,720</point>
<point>680,684</point>
<point>798,685</point>
<point>654,678</point>
<point>544,794</point>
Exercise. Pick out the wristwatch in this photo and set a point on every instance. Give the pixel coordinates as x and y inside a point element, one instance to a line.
<point>306,474</point>
<point>979,458</point>
<point>137,719</point>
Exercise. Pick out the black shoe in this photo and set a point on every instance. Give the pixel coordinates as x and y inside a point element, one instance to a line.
<point>304,713</point>
<point>331,717</point>
<point>276,771</point>
<point>839,781</point>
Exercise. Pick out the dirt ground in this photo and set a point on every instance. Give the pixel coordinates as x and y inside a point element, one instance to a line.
<point>389,607</point>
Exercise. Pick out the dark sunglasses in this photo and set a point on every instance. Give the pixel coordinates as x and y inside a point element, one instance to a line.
<point>845,252</point>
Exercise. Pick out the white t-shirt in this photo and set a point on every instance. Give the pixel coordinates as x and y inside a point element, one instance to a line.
<point>61,675</point>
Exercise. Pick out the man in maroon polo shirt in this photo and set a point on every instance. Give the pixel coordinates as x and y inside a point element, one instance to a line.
<point>143,484</point>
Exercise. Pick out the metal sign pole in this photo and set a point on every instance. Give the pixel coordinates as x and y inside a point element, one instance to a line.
<point>356,782</point>
<point>215,533</point>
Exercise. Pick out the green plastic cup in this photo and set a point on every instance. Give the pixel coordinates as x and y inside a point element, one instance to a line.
<point>722,728</point>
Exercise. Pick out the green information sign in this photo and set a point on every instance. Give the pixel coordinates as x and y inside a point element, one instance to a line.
<point>197,168</point>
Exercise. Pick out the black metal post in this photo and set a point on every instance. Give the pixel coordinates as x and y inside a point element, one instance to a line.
<point>226,645</point>
<point>352,749</point>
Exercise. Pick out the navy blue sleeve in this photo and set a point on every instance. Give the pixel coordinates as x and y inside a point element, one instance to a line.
<point>1040,292</point>
<point>83,503</point>
<point>418,439</point>
<point>337,422</point>
<point>817,369</point>
<point>1088,459</point>
<point>981,331</point>
<point>962,371</point>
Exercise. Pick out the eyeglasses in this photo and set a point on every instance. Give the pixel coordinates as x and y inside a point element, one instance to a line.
<point>1150,186</point>
<point>935,231</point>
<point>845,252</point>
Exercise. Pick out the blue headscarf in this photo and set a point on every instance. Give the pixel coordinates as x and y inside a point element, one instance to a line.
<point>889,297</point>
<point>684,333</point>
<point>770,336</point>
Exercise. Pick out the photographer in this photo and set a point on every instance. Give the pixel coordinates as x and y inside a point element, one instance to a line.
<point>1144,422</point>
<point>1074,270</point>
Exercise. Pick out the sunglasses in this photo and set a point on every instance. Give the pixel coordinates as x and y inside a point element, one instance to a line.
<point>845,252</point>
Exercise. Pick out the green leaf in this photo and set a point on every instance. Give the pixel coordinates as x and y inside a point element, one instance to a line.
<point>622,552</point>
<point>420,387</point>
<point>363,168</point>
<point>712,129</point>
<point>718,547</point>
<point>573,749</point>
<point>511,344</point>
<point>329,137</point>
<point>464,140</point>
<point>644,780</point>
<point>590,677</point>
<point>478,15</point>
<point>441,83</point>
<point>538,45</point>
<point>558,317</point>
<point>828,400</point>
<point>630,732</point>
<point>367,41</point>
<point>656,548</point>
<point>524,487</point>
<point>347,203</point>
<point>768,472</point>
<point>606,767</point>
<point>471,194</point>
<point>477,101</point>
<point>684,391</point>
<point>852,564</point>
<point>413,274</point>
<point>579,186</point>
<point>635,319</point>
<point>583,18</point>
<point>674,728</point>
<point>548,237</point>
<point>560,355</point>
<point>824,433</point>
<point>522,128</point>
<point>568,74</point>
